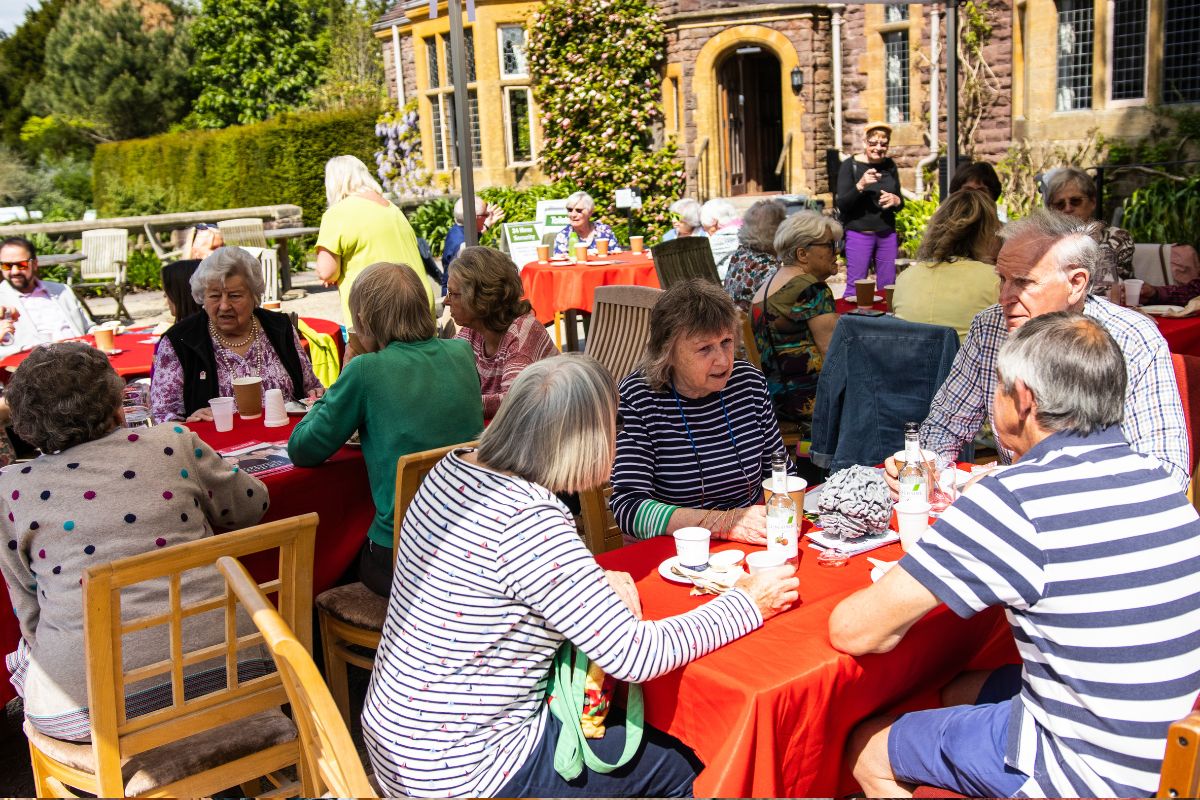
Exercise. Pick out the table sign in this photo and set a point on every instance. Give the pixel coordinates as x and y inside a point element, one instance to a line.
<point>551,216</point>
<point>523,239</point>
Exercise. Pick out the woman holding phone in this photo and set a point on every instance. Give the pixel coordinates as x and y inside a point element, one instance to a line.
<point>868,198</point>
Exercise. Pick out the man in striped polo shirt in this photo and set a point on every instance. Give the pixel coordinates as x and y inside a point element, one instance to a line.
<point>1092,549</point>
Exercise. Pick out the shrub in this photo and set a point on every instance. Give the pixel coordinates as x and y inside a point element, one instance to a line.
<point>432,220</point>
<point>278,161</point>
<point>1165,211</point>
<point>911,223</point>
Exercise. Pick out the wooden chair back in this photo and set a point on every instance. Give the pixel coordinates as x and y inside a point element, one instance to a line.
<point>106,251</point>
<point>1180,776</point>
<point>243,232</point>
<point>325,743</point>
<point>1152,263</point>
<point>268,259</point>
<point>411,469</point>
<point>684,258</point>
<point>116,736</point>
<point>749,343</point>
<point>620,326</point>
<point>600,531</point>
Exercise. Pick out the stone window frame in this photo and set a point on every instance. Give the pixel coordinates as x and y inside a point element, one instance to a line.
<point>509,85</point>
<point>1078,76</point>
<point>876,29</point>
<point>438,95</point>
<point>1193,78</point>
<point>1111,54</point>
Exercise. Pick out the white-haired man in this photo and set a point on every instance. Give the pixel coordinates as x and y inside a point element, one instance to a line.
<point>1044,266</point>
<point>1092,550</point>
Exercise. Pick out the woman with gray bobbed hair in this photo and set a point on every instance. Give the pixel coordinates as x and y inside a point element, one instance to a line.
<point>755,258</point>
<point>198,357</point>
<point>793,313</point>
<point>1072,191</point>
<point>580,228</point>
<point>721,221</point>
<point>98,493</point>
<point>488,546</point>
<point>697,431</point>
<point>686,220</point>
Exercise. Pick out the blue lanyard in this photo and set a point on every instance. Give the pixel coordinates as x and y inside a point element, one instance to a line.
<point>737,453</point>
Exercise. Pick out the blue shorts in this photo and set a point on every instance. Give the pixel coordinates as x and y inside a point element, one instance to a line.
<point>961,748</point>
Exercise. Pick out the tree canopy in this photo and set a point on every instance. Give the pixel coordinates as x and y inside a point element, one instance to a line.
<point>22,55</point>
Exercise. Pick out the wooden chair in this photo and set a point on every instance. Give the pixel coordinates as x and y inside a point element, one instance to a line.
<point>620,326</point>
<point>195,745</point>
<point>600,531</point>
<point>352,616</point>
<point>106,254</point>
<point>268,259</point>
<point>243,232</point>
<point>684,258</point>
<point>1180,776</point>
<point>325,744</point>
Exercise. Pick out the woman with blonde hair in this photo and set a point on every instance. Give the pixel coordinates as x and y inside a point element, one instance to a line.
<point>485,297</point>
<point>360,228</point>
<point>954,277</point>
<point>492,579</point>
<point>386,395</point>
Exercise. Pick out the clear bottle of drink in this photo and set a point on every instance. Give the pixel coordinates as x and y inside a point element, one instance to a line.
<point>782,531</point>
<point>914,477</point>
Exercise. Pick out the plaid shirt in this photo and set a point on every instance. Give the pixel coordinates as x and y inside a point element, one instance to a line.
<point>1153,423</point>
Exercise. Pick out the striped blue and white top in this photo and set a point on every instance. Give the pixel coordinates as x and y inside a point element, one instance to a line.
<point>491,578</point>
<point>1094,552</point>
<point>657,470</point>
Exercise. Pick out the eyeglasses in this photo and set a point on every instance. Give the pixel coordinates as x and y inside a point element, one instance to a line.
<point>878,143</point>
<point>834,247</point>
<point>577,210</point>
<point>11,265</point>
<point>1073,202</point>
<point>453,295</point>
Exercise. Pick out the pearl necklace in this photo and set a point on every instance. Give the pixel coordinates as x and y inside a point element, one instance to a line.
<point>221,340</point>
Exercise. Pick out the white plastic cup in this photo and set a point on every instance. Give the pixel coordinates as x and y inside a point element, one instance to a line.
<point>222,411</point>
<point>761,560</point>
<point>274,409</point>
<point>691,545</point>
<point>913,520</point>
<point>1133,291</point>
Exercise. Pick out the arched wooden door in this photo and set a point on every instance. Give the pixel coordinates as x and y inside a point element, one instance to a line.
<point>751,118</point>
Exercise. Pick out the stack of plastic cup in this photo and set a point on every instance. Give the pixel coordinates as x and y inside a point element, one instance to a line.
<point>222,411</point>
<point>276,413</point>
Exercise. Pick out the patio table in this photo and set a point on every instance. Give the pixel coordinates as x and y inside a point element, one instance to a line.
<point>769,714</point>
<point>280,237</point>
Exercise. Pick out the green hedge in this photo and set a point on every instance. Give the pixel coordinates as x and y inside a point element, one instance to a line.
<point>278,161</point>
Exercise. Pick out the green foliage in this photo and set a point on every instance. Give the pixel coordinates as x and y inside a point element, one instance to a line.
<point>280,161</point>
<point>1175,136</point>
<point>118,74</point>
<point>980,89</point>
<point>520,204</point>
<point>354,75</point>
<point>144,269</point>
<point>912,221</point>
<point>47,246</point>
<point>1027,159</point>
<point>432,220</point>
<point>596,68</point>
<point>1165,211</point>
<point>22,60</point>
<point>255,58</point>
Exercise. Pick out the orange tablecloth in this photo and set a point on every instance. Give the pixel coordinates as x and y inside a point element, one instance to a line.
<point>338,491</point>
<point>553,287</point>
<point>1182,334</point>
<point>769,715</point>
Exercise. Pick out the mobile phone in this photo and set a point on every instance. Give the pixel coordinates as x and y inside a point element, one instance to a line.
<point>868,312</point>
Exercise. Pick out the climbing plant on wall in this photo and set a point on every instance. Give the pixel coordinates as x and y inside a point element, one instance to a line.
<point>596,79</point>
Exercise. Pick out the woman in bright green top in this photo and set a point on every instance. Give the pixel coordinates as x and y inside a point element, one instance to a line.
<point>407,392</point>
<point>360,228</point>
<point>954,277</point>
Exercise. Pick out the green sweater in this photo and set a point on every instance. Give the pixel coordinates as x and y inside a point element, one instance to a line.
<point>408,397</point>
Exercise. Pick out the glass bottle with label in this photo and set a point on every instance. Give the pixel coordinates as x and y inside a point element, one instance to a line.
<point>782,531</point>
<point>914,476</point>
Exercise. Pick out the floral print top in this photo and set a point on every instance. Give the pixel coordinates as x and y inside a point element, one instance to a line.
<point>748,268</point>
<point>166,387</point>
<point>790,357</point>
<point>1116,247</point>
<point>567,238</point>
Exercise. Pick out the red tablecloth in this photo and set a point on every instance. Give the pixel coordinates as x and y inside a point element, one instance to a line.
<point>769,715</point>
<point>1182,334</point>
<point>137,349</point>
<point>553,287</point>
<point>844,306</point>
<point>338,491</point>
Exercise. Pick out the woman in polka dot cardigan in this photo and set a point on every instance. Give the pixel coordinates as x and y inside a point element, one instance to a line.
<point>98,493</point>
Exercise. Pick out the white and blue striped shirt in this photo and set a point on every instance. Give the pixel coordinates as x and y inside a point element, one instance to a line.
<point>491,578</point>
<point>1094,552</point>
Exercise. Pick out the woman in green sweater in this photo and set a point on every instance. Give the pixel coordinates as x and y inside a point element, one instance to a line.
<point>409,391</point>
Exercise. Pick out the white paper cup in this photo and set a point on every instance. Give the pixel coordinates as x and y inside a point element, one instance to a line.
<point>222,411</point>
<point>912,520</point>
<point>795,488</point>
<point>764,559</point>
<point>1133,292</point>
<point>274,409</point>
<point>691,545</point>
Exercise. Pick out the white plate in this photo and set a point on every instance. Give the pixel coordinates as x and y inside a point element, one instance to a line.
<point>664,569</point>
<point>1160,310</point>
<point>295,407</point>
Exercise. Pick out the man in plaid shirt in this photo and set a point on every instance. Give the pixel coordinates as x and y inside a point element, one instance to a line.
<point>1044,266</point>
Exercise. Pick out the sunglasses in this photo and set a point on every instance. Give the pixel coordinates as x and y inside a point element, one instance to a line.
<point>878,143</point>
<point>1073,202</point>
<point>834,247</point>
<point>11,265</point>
<point>577,210</point>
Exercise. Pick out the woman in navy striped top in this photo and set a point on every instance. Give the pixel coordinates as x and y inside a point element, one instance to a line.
<point>492,578</point>
<point>697,428</point>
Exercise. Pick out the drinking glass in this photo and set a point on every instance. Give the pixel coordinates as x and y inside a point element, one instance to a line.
<point>944,491</point>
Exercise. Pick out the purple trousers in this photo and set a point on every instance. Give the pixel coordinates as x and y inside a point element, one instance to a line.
<point>860,248</point>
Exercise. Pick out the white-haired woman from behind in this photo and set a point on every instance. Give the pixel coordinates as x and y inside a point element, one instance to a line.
<point>361,228</point>
<point>491,578</point>
<point>720,219</point>
<point>685,220</point>
<point>580,228</point>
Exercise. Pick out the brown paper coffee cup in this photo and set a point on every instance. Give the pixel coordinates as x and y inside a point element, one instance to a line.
<point>247,394</point>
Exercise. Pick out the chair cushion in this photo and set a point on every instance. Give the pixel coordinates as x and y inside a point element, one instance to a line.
<point>174,761</point>
<point>354,604</point>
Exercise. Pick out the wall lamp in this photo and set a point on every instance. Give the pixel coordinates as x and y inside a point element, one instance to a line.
<point>797,80</point>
